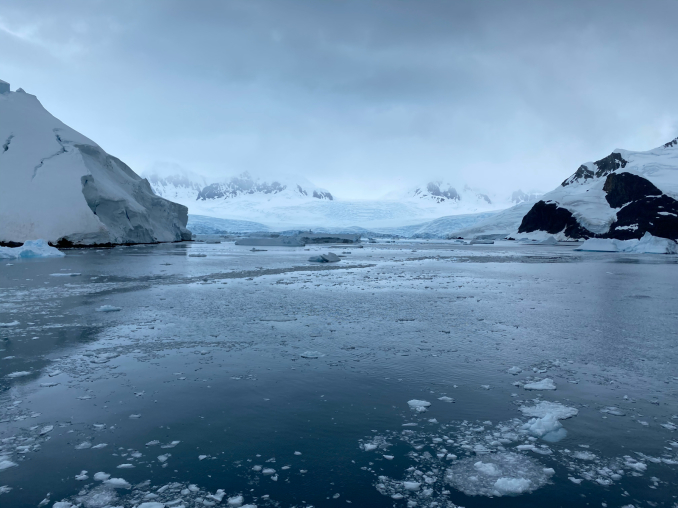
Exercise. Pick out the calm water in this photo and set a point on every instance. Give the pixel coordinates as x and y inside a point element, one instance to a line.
<point>287,382</point>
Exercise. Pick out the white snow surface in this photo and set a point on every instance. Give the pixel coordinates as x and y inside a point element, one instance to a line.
<point>31,249</point>
<point>60,185</point>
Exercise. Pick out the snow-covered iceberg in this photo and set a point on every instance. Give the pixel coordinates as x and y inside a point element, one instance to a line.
<point>61,186</point>
<point>31,249</point>
<point>648,244</point>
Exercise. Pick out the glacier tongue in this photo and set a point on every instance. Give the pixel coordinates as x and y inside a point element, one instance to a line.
<point>61,186</point>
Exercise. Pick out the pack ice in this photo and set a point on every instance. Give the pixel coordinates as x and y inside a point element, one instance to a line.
<point>62,187</point>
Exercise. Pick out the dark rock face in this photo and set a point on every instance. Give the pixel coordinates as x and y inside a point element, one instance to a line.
<point>553,219</point>
<point>657,215</point>
<point>434,190</point>
<point>604,167</point>
<point>622,188</point>
<point>322,195</point>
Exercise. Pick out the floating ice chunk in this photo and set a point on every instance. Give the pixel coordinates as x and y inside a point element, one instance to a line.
<point>134,417</point>
<point>163,458</point>
<point>548,428</point>
<point>46,429</point>
<point>5,463</point>
<point>511,474</point>
<point>312,354</point>
<point>217,496</point>
<point>125,466</point>
<point>118,483</point>
<point>487,468</point>
<point>20,373</point>
<point>31,249</point>
<point>10,324</point>
<point>236,501</point>
<point>202,457</point>
<point>512,486</point>
<point>576,481</point>
<point>66,274</point>
<point>99,446</point>
<point>48,385</point>
<point>108,308</point>
<point>584,455</point>
<point>412,486</point>
<point>83,446</point>
<point>101,476</point>
<point>151,504</point>
<point>515,370</point>
<point>268,471</point>
<point>648,244</point>
<point>613,411</point>
<point>4,489</point>
<point>543,408</point>
<point>389,457</point>
<point>297,453</point>
<point>330,257</point>
<point>170,445</point>
<point>63,504</point>
<point>544,384</point>
<point>418,405</point>
<point>368,447</point>
<point>446,399</point>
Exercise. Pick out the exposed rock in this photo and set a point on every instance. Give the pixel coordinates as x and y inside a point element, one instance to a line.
<point>622,188</point>
<point>553,219</point>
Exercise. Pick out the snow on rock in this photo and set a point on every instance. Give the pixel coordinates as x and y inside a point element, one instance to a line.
<point>31,249</point>
<point>61,186</point>
<point>648,244</point>
<point>418,405</point>
<point>499,474</point>
<point>544,384</point>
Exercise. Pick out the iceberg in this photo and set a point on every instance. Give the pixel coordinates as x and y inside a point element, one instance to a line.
<point>31,249</point>
<point>648,244</point>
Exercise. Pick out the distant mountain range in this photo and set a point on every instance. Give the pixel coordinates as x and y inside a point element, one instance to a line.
<point>293,202</point>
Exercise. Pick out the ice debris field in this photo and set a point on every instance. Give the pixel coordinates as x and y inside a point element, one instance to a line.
<point>405,374</point>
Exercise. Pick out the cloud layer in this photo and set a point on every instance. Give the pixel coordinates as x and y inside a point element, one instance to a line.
<point>359,97</point>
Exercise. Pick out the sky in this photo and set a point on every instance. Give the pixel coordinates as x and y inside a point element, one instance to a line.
<point>360,97</point>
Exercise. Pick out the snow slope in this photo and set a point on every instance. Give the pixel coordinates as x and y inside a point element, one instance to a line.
<point>61,186</point>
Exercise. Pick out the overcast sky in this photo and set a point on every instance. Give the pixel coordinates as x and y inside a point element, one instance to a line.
<point>358,96</point>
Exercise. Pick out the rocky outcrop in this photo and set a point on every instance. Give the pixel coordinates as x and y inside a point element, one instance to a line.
<point>553,219</point>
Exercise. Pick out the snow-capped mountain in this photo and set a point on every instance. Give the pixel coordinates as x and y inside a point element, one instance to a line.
<point>245,185</point>
<point>60,186</point>
<point>622,196</point>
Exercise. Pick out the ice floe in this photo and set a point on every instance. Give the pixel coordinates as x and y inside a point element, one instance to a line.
<point>544,384</point>
<point>418,405</point>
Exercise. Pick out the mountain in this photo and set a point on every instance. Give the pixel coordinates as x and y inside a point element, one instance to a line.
<point>621,196</point>
<point>61,186</point>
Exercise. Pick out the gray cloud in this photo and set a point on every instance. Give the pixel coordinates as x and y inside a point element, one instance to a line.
<point>355,95</point>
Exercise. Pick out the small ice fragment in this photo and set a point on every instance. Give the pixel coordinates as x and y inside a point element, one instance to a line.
<point>100,476</point>
<point>411,485</point>
<point>83,446</point>
<point>202,457</point>
<point>125,466</point>
<point>446,399</point>
<point>515,370</point>
<point>134,417</point>
<point>20,373</point>
<point>268,471</point>
<point>46,429</point>
<point>236,501</point>
<point>311,354</point>
<point>82,476</point>
<point>163,458</point>
<point>512,485</point>
<point>108,308</point>
<point>297,453</point>
<point>118,483</point>
<point>368,447</point>
<point>418,405</point>
<point>544,384</point>
<point>388,457</point>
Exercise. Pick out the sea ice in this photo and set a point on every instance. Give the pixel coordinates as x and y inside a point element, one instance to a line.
<point>543,408</point>
<point>498,474</point>
<point>544,384</point>
<point>31,249</point>
<point>418,405</point>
